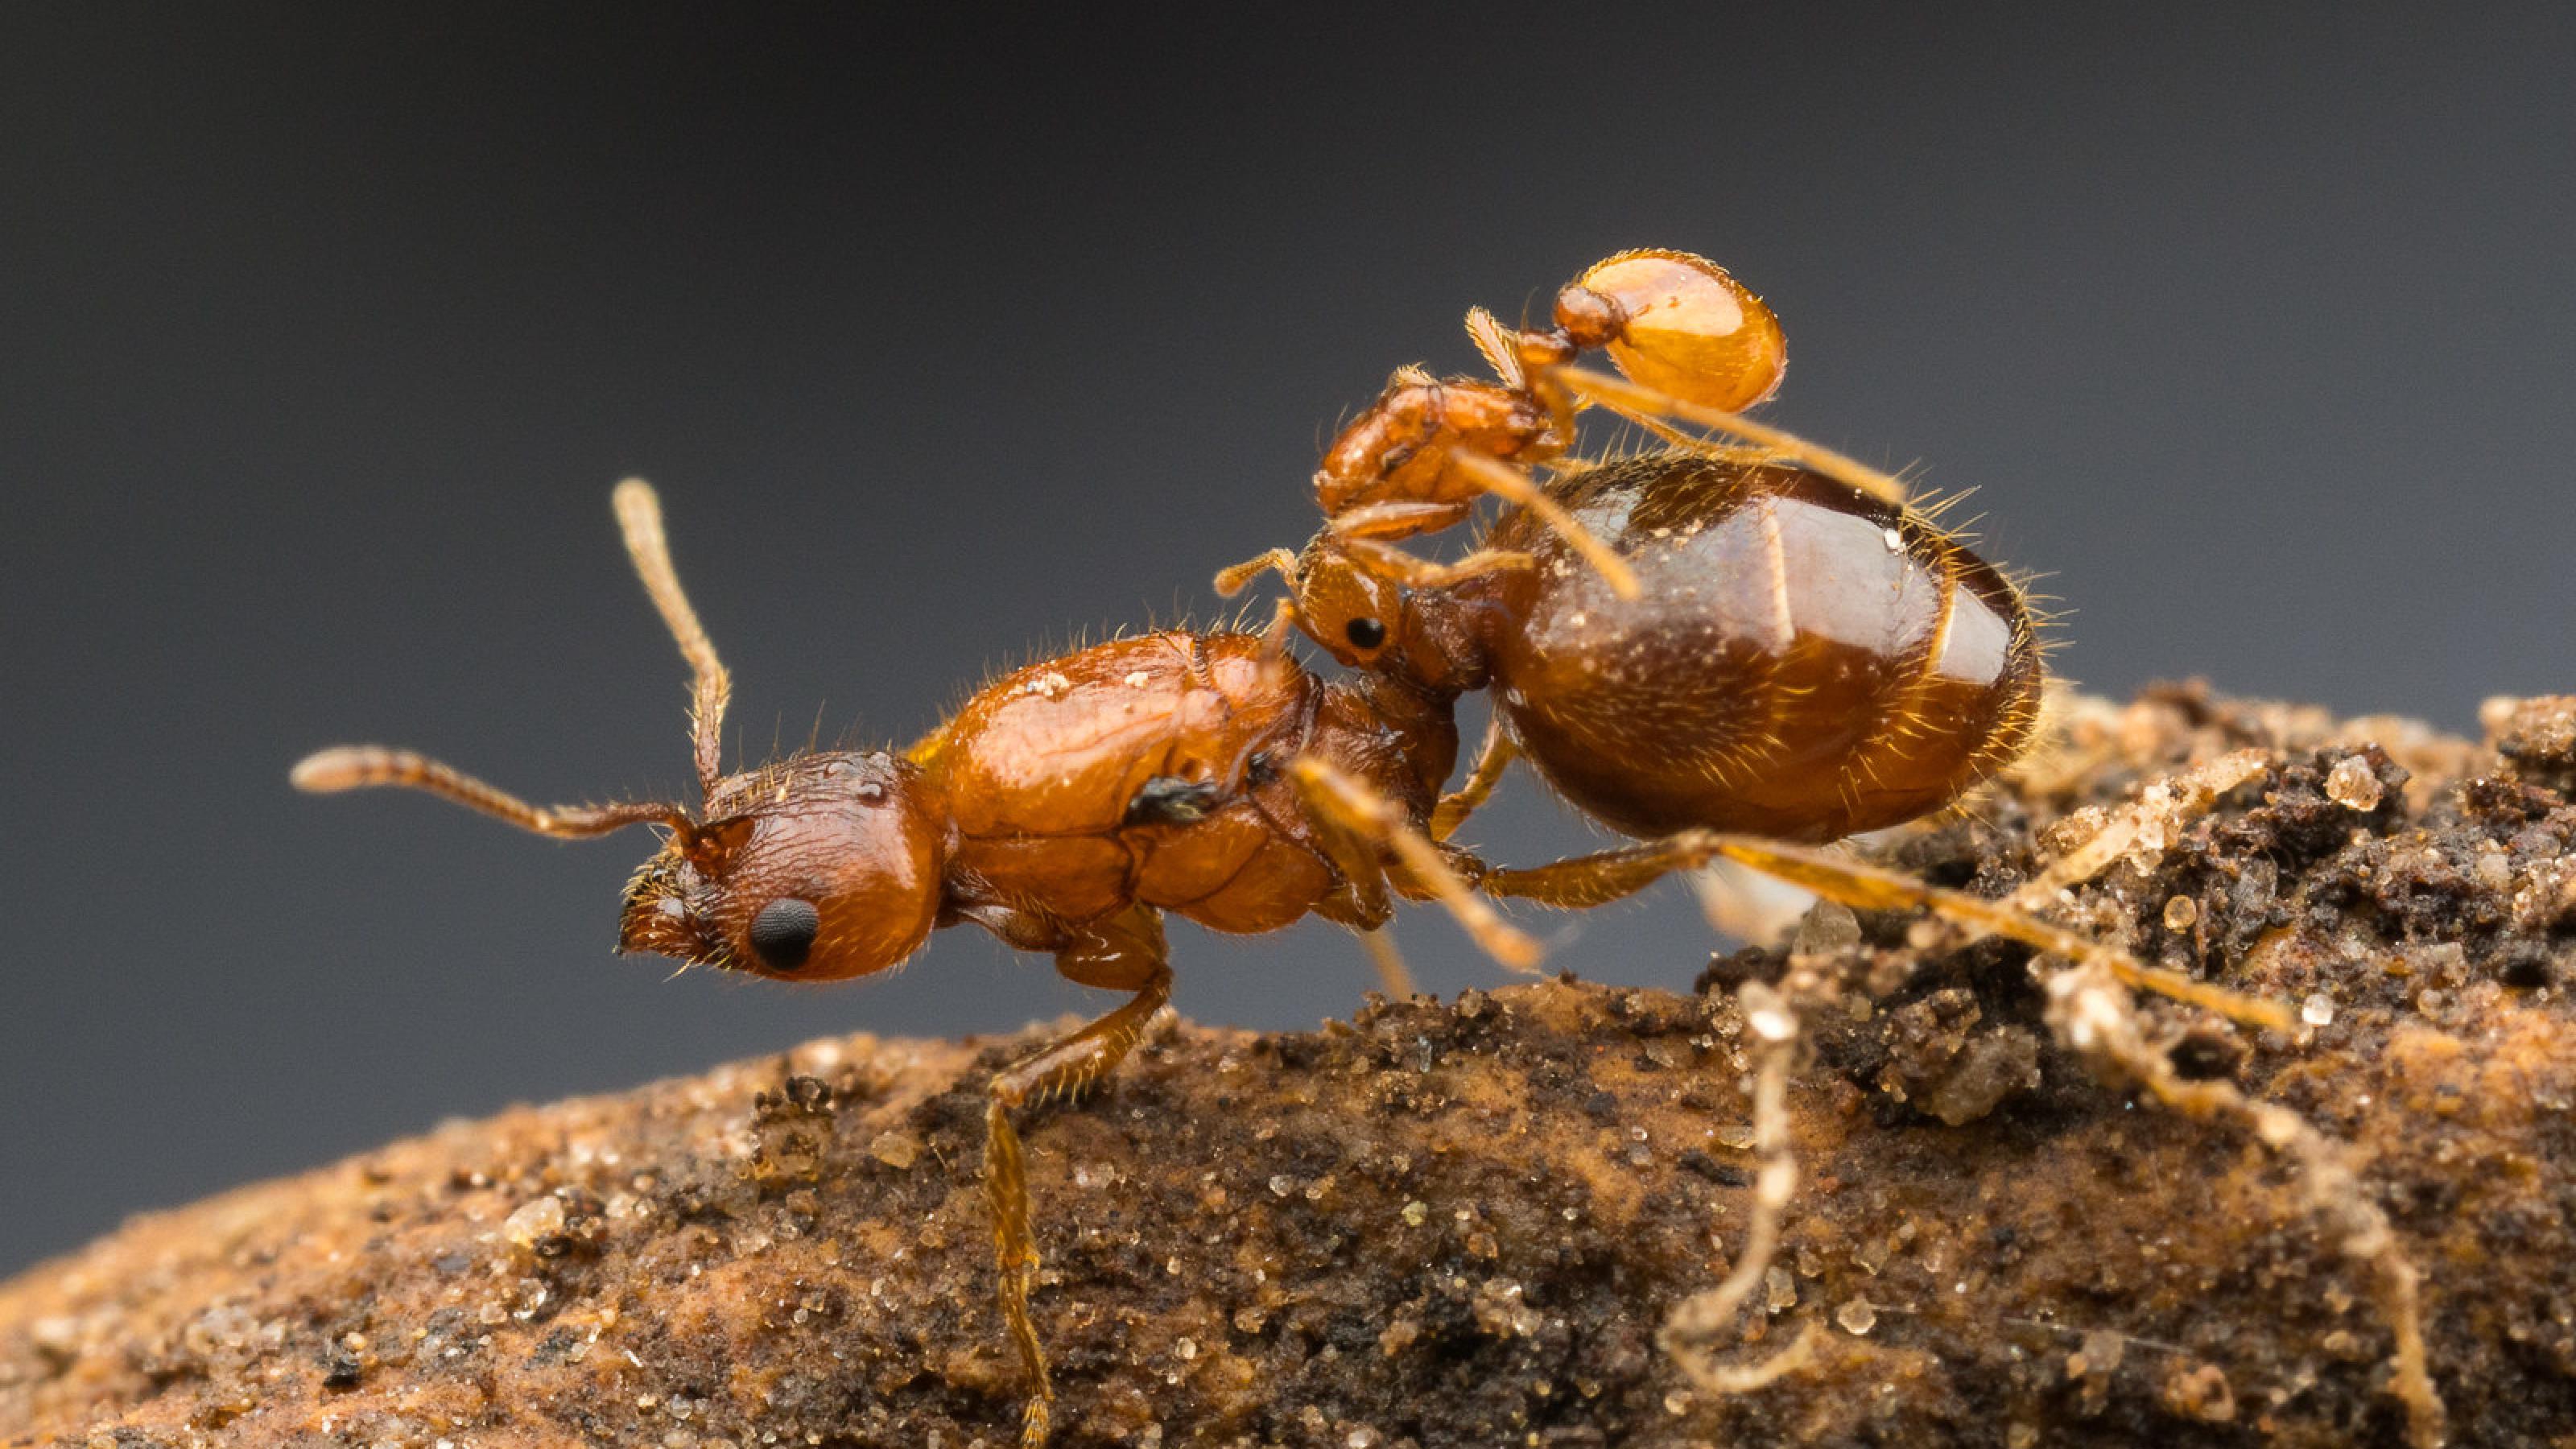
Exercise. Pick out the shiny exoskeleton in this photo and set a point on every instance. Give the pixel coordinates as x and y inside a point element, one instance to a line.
<point>1062,805</point>
<point>1802,661</point>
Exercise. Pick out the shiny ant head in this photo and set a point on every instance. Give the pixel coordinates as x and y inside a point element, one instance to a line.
<point>1359,616</point>
<point>816,868</point>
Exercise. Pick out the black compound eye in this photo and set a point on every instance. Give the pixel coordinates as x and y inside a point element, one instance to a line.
<point>1365,633</point>
<point>783,932</point>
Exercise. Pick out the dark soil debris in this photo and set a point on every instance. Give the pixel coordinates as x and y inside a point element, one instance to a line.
<point>1463,1223</point>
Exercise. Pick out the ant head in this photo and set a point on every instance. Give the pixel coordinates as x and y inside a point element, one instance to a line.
<point>817,868</point>
<point>1357,614</point>
<point>1344,595</point>
<point>1348,594</point>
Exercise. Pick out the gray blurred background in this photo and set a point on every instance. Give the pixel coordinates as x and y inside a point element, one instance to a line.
<point>948,334</point>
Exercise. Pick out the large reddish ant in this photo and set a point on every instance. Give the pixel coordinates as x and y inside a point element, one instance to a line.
<point>1064,808</point>
<point>1715,649</point>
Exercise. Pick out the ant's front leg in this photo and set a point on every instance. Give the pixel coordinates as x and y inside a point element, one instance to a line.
<point>1415,572</point>
<point>1364,904</point>
<point>1365,533</point>
<point>1493,757</point>
<point>1122,952</point>
<point>1514,486</point>
<point>1356,823</point>
<point>1428,449</point>
<point>1365,529</point>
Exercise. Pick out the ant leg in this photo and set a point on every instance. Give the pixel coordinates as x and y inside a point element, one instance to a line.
<point>1393,976</point>
<point>1400,517</point>
<point>2085,1012</point>
<point>1493,757</point>
<point>1403,518</point>
<point>1484,473</point>
<point>1124,952</point>
<point>1364,531</point>
<point>1584,881</point>
<point>1339,804</point>
<point>1366,910</point>
<point>1514,486</point>
<point>1363,905</point>
<point>1690,442</point>
<point>1869,887</point>
<point>1594,879</point>
<point>1392,563</point>
<point>2088,1015</point>
<point>1624,397</point>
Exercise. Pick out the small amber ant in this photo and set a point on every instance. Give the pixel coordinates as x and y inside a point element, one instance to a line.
<point>1686,644</point>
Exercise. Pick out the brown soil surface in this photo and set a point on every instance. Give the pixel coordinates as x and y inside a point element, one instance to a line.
<point>1462,1223</point>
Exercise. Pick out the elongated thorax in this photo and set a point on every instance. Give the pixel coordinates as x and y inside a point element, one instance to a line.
<point>1143,770</point>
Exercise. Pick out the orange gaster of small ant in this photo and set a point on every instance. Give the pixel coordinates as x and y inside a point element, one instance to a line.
<point>1715,649</point>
